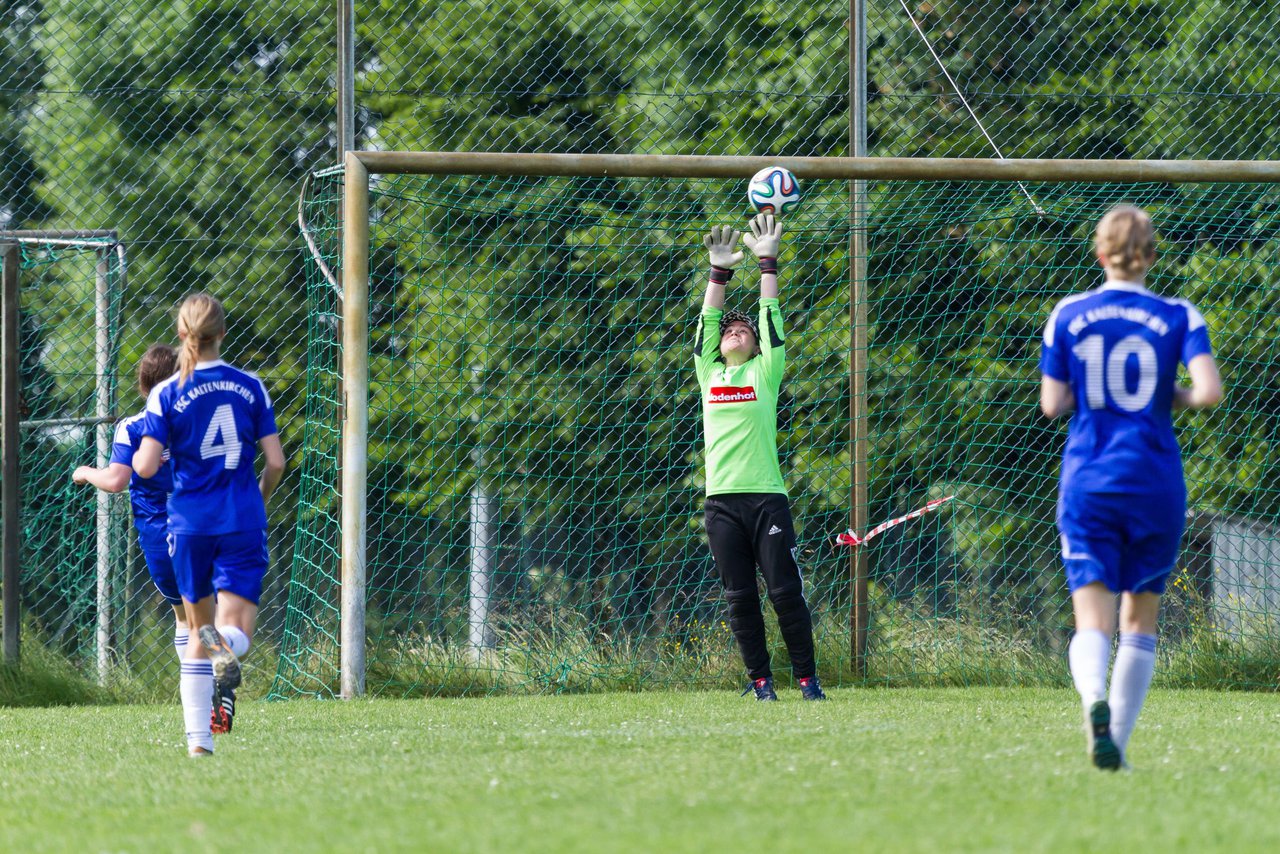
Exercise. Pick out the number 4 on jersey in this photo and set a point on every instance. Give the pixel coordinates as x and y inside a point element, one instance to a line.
<point>221,439</point>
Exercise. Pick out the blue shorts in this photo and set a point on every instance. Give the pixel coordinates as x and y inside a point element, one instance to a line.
<point>1130,543</point>
<point>205,563</point>
<point>155,550</point>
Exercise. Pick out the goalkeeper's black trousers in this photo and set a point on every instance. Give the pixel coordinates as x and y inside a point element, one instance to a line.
<point>750,530</point>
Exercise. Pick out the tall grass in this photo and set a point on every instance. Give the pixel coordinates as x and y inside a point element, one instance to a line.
<point>145,672</point>
<point>908,647</point>
<point>42,677</point>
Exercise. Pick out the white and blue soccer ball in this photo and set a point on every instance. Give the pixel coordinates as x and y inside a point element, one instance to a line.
<point>774,190</point>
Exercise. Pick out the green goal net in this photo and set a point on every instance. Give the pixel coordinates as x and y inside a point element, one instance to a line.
<point>74,540</point>
<point>534,454</point>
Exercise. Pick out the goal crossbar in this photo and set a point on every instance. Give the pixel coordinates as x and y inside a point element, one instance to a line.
<point>826,168</point>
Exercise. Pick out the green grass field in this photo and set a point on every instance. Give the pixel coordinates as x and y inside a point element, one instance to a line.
<point>881,770</point>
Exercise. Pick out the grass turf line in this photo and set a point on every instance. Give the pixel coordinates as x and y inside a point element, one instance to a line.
<point>880,770</point>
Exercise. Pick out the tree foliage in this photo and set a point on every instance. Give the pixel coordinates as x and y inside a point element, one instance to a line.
<point>189,126</point>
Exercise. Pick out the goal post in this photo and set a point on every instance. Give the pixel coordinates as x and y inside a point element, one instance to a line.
<point>360,168</point>
<point>355,434</point>
<point>38,250</point>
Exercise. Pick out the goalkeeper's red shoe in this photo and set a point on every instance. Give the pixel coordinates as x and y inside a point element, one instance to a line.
<point>811,690</point>
<point>226,667</point>
<point>763,688</point>
<point>223,713</point>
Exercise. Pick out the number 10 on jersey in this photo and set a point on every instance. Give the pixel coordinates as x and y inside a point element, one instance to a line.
<point>1105,372</point>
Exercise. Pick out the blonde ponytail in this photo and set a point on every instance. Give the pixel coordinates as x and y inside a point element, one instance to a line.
<point>1126,241</point>
<point>204,321</point>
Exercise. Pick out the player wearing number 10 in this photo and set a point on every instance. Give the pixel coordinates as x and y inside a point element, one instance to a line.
<point>1110,356</point>
<point>212,417</point>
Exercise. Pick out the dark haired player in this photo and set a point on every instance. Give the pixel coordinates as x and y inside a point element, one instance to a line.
<point>148,496</point>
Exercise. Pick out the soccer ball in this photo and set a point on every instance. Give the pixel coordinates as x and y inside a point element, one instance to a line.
<point>774,190</point>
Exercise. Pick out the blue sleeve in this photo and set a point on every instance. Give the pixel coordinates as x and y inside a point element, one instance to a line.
<point>121,447</point>
<point>1196,342</point>
<point>154,423</point>
<point>267,422</point>
<point>1053,351</point>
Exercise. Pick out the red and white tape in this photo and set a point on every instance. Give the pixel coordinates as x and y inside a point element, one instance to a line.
<point>851,538</point>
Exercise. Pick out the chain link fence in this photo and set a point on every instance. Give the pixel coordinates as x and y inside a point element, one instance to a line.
<point>1018,78</point>
<point>190,127</point>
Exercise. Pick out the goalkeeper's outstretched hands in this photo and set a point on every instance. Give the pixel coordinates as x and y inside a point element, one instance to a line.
<point>722,247</point>
<point>765,237</point>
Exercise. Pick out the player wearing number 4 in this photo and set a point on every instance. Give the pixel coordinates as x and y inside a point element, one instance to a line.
<point>1110,357</point>
<point>739,362</point>
<point>212,418</point>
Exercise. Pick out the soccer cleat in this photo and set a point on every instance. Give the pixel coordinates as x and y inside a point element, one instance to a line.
<point>763,688</point>
<point>226,667</point>
<point>196,752</point>
<point>223,712</point>
<point>811,690</point>
<point>1102,748</point>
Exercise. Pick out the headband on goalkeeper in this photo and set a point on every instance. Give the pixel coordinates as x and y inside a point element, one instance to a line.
<point>735,316</point>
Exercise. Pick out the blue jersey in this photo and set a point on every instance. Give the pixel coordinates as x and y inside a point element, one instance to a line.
<point>211,425</point>
<point>148,496</point>
<point>1118,347</point>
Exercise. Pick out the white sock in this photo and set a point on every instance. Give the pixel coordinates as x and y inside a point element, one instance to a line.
<point>196,689</point>
<point>1135,664</point>
<point>180,637</point>
<point>1088,655</point>
<point>236,639</point>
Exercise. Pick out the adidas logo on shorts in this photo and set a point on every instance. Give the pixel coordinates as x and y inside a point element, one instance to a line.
<point>774,530</point>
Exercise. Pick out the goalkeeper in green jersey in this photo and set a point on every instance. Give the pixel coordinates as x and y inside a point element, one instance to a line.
<point>739,362</point>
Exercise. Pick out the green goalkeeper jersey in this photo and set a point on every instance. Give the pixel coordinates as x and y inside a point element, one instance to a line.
<point>740,406</point>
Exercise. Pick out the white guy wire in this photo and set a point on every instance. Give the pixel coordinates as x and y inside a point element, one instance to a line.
<point>305,228</point>
<point>955,88</point>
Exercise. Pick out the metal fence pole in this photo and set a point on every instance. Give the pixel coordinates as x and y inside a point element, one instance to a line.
<point>10,489</point>
<point>480,577</point>
<point>859,612</point>
<point>482,539</point>
<point>103,406</point>
<point>346,78</point>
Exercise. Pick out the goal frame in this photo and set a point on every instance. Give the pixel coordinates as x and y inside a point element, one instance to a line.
<point>359,166</point>
<point>104,243</point>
